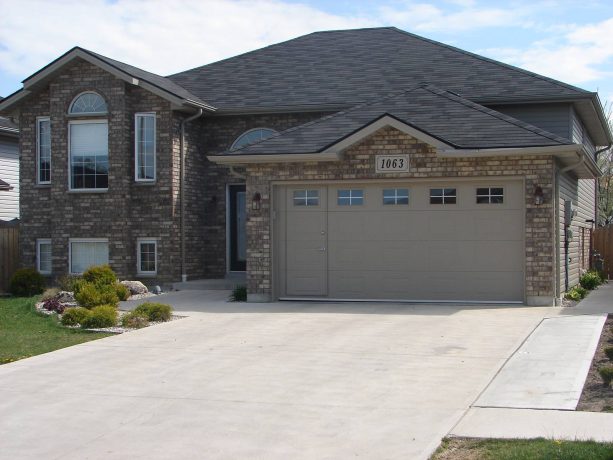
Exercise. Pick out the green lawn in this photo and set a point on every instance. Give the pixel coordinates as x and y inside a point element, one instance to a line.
<point>25,333</point>
<point>522,449</point>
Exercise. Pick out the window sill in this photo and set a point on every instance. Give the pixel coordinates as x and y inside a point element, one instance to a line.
<point>42,186</point>
<point>89,190</point>
<point>144,183</point>
<point>146,275</point>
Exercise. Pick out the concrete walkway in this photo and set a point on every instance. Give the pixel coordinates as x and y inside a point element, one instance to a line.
<point>547,372</point>
<point>266,381</point>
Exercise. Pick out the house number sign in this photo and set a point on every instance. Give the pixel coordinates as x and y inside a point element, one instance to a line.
<point>391,163</point>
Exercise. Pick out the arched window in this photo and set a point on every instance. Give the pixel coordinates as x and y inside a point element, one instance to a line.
<point>251,136</point>
<point>88,103</point>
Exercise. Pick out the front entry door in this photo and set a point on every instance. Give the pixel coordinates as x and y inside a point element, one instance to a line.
<point>238,234</point>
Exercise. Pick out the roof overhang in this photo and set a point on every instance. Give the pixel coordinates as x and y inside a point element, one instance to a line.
<point>41,77</point>
<point>276,158</point>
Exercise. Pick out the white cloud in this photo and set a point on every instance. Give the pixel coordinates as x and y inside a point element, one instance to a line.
<point>157,35</point>
<point>425,17</point>
<point>579,56</point>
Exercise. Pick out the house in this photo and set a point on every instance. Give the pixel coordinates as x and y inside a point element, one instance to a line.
<point>353,164</point>
<point>9,170</point>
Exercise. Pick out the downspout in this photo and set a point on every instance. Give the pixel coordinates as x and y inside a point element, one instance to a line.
<point>182,191</point>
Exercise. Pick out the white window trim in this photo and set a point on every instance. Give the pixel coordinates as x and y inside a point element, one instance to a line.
<point>38,181</point>
<point>240,136</point>
<point>490,195</point>
<point>139,241</point>
<point>351,198</point>
<point>83,190</point>
<point>40,241</point>
<point>82,240</point>
<point>395,196</point>
<point>136,117</point>
<point>87,114</point>
<point>304,201</point>
<point>443,196</point>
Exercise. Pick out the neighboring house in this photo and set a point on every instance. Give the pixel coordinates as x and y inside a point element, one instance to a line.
<point>9,169</point>
<point>356,164</point>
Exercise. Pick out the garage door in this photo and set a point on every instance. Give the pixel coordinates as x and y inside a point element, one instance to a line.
<point>405,241</point>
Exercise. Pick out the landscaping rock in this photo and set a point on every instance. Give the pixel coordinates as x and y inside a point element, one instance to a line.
<point>135,287</point>
<point>65,297</point>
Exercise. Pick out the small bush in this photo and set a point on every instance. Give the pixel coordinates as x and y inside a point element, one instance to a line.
<point>573,294</point>
<point>590,280</point>
<point>154,311</point>
<point>122,291</point>
<point>26,282</point>
<point>582,291</point>
<point>134,320</point>
<point>69,282</point>
<point>100,275</point>
<point>609,352</point>
<point>74,316</point>
<point>50,293</point>
<point>101,316</point>
<point>90,295</point>
<point>53,305</point>
<point>606,374</point>
<point>239,294</point>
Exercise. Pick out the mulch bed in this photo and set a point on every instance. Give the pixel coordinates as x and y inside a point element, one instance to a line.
<point>595,396</point>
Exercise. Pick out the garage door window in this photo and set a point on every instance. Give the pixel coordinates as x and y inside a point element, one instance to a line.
<point>392,196</point>
<point>443,196</point>
<point>490,195</point>
<point>352,197</point>
<point>306,197</point>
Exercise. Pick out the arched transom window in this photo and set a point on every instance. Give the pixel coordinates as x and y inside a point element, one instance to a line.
<point>252,136</point>
<point>88,103</point>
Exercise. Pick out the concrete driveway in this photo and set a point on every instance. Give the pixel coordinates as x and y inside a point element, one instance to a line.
<point>278,381</point>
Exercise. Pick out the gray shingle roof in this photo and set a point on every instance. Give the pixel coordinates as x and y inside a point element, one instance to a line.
<point>351,66</point>
<point>440,114</point>
<point>6,124</point>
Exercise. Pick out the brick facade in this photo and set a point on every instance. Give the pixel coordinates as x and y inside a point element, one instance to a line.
<point>358,163</point>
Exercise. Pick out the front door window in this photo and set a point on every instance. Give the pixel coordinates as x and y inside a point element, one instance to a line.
<point>237,235</point>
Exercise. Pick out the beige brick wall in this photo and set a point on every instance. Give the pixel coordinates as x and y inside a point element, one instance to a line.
<point>358,163</point>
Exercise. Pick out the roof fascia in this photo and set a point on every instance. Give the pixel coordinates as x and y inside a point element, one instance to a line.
<point>276,158</point>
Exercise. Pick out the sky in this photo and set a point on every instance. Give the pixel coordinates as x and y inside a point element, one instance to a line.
<point>568,40</point>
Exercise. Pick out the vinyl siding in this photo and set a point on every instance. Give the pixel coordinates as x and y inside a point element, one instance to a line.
<point>550,117</point>
<point>582,193</point>
<point>9,172</point>
<point>579,133</point>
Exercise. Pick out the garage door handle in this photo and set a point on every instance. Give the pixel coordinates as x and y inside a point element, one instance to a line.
<point>322,249</point>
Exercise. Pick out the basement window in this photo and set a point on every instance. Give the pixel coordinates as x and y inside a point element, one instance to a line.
<point>85,252</point>
<point>490,195</point>
<point>443,196</point>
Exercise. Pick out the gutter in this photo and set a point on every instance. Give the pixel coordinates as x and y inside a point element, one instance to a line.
<point>182,190</point>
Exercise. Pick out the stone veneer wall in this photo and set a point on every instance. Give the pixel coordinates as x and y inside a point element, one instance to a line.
<point>128,210</point>
<point>358,163</point>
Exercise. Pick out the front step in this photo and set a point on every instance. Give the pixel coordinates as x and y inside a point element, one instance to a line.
<point>225,284</point>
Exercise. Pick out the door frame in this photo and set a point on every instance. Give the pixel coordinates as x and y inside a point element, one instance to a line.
<point>228,228</point>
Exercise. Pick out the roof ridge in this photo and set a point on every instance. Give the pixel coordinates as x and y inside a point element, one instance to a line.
<point>493,113</point>
<point>490,60</point>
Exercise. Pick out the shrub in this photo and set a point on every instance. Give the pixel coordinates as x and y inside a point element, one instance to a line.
<point>101,316</point>
<point>582,291</point>
<point>134,320</point>
<point>69,282</point>
<point>154,311</point>
<point>90,295</point>
<point>74,316</point>
<point>239,294</point>
<point>53,305</point>
<point>50,293</point>
<point>590,280</point>
<point>100,275</point>
<point>122,291</point>
<point>573,294</point>
<point>26,282</point>
<point>609,352</point>
<point>606,374</point>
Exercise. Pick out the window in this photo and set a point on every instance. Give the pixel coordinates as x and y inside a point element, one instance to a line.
<point>395,196</point>
<point>306,198</point>
<point>147,256</point>
<point>89,155</point>
<point>350,197</point>
<point>43,256</point>
<point>442,196</point>
<point>252,136</point>
<point>85,252</point>
<point>490,195</point>
<point>43,150</point>
<point>144,148</point>
<point>87,104</point>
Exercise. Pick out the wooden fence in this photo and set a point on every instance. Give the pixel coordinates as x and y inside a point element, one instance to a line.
<point>602,241</point>
<point>9,254</point>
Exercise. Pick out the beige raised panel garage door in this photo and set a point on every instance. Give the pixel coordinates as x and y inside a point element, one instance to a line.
<point>343,242</point>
